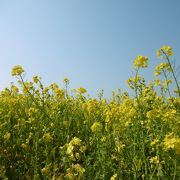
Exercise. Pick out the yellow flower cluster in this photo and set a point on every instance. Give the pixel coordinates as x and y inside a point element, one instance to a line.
<point>36,79</point>
<point>165,50</point>
<point>17,70</point>
<point>66,81</point>
<point>96,127</point>
<point>47,137</point>
<point>159,68</point>
<point>74,149</point>
<point>113,177</point>
<point>81,90</point>
<point>76,171</point>
<point>171,142</point>
<point>153,114</point>
<point>141,61</point>
<point>154,160</point>
<point>132,81</point>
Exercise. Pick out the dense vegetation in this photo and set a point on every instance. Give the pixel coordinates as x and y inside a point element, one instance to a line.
<point>48,133</point>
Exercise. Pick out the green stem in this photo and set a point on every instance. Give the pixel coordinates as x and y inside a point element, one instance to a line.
<point>136,87</point>
<point>32,97</point>
<point>172,72</point>
<point>167,83</point>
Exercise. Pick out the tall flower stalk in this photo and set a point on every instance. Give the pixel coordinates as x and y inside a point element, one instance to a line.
<point>165,53</point>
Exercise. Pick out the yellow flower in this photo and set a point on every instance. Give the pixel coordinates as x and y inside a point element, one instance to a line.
<point>141,61</point>
<point>70,148</point>
<point>69,176</point>
<point>167,82</point>
<point>81,90</point>
<point>154,142</point>
<point>45,170</point>
<point>154,160</point>
<point>66,81</point>
<point>164,66</point>
<point>7,136</point>
<point>157,71</point>
<point>160,67</point>
<point>24,146</point>
<point>169,141</point>
<point>14,89</point>
<point>157,82</point>
<point>96,126</point>
<point>31,111</point>
<point>164,50</point>
<point>104,139</point>
<point>77,156</point>
<point>59,93</point>
<point>152,114</point>
<point>17,70</point>
<point>78,168</point>
<point>76,141</point>
<point>119,147</point>
<point>82,148</point>
<point>36,79</point>
<point>113,177</point>
<point>47,137</point>
<point>133,81</point>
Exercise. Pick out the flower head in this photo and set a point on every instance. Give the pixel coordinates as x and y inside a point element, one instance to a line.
<point>154,160</point>
<point>96,126</point>
<point>66,81</point>
<point>141,61</point>
<point>47,137</point>
<point>17,70</point>
<point>169,141</point>
<point>165,50</point>
<point>81,90</point>
<point>76,141</point>
<point>161,67</point>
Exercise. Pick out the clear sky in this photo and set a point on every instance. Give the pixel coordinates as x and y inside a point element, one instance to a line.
<point>92,42</point>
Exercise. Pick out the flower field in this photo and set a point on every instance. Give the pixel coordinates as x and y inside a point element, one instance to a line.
<point>48,132</point>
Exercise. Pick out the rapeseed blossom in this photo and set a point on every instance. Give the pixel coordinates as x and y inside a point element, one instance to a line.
<point>24,146</point>
<point>141,61</point>
<point>57,135</point>
<point>157,82</point>
<point>70,149</point>
<point>66,81</point>
<point>17,70</point>
<point>154,142</point>
<point>96,126</point>
<point>45,170</point>
<point>154,160</point>
<point>113,177</point>
<point>81,90</point>
<point>48,137</point>
<point>119,147</point>
<point>164,50</point>
<point>14,89</point>
<point>169,141</point>
<point>75,141</point>
<point>74,149</point>
<point>160,68</point>
<point>36,79</point>
<point>78,168</point>
<point>167,82</point>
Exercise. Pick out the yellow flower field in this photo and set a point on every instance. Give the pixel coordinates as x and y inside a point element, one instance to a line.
<point>47,133</point>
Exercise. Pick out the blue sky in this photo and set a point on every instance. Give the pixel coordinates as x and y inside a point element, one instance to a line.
<point>92,42</point>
